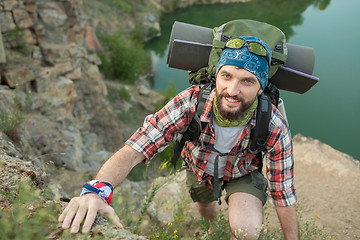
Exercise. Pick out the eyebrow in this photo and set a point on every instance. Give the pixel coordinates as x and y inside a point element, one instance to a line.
<point>252,78</point>
<point>223,71</point>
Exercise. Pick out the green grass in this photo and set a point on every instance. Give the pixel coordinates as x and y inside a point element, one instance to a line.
<point>31,216</point>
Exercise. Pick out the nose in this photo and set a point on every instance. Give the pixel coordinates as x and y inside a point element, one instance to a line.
<point>233,88</point>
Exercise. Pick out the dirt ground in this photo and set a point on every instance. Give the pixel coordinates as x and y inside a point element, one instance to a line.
<point>327,182</point>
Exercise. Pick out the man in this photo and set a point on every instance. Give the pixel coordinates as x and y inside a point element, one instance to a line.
<point>218,157</point>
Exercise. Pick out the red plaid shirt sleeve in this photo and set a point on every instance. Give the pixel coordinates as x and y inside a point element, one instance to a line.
<point>280,162</point>
<point>160,128</point>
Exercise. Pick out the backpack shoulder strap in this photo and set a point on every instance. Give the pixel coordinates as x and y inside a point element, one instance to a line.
<point>273,92</point>
<point>260,131</point>
<point>196,126</point>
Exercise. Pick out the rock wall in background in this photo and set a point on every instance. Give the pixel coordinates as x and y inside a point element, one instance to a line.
<point>48,61</point>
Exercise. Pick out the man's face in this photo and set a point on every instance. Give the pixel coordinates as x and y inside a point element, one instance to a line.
<point>236,90</point>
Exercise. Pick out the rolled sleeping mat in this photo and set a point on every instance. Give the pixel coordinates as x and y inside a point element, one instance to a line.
<point>296,74</point>
<point>190,46</point>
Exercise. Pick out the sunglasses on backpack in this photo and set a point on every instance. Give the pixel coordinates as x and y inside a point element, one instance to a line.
<point>253,47</point>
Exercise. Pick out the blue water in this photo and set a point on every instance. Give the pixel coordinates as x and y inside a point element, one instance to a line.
<point>329,111</point>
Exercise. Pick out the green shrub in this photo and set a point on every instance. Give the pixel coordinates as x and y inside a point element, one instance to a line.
<point>123,58</point>
<point>138,33</point>
<point>10,119</point>
<point>16,37</point>
<point>220,228</point>
<point>124,94</point>
<point>124,5</point>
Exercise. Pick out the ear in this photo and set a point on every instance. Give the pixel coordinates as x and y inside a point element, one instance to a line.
<point>260,91</point>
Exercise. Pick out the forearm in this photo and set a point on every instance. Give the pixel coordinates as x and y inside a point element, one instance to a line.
<point>288,220</point>
<point>119,165</point>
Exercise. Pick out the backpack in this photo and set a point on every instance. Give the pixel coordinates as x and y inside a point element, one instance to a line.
<point>270,34</point>
<point>276,40</point>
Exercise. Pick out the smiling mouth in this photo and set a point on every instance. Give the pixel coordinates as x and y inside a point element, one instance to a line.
<point>232,100</point>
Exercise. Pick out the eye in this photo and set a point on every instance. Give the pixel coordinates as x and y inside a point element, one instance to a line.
<point>248,81</point>
<point>226,75</point>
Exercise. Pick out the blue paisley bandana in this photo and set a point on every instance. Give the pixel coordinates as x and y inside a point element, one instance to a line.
<point>244,59</point>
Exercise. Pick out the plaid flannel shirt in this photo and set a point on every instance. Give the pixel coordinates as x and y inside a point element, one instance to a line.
<point>159,129</point>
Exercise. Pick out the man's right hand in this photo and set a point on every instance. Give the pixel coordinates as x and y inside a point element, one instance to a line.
<point>86,206</point>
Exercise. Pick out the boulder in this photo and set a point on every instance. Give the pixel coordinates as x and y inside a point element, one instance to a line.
<point>6,21</point>
<point>51,13</point>
<point>22,18</point>
<point>16,74</point>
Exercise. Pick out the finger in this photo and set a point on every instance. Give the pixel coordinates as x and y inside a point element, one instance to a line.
<point>110,212</point>
<point>66,210</point>
<point>80,214</point>
<point>90,218</point>
<point>63,214</point>
<point>71,212</point>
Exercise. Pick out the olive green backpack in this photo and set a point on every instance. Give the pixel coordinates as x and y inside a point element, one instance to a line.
<point>270,34</point>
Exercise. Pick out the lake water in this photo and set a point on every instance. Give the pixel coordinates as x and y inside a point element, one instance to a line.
<point>330,111</point>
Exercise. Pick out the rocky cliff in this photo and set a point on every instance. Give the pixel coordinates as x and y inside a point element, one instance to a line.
<point>54,114</point>
<point>49,64</point>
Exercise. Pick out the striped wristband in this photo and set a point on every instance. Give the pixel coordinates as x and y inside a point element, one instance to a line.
<point>102,189</point>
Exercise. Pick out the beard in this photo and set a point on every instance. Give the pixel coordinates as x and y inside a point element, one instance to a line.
<point>235,113</point>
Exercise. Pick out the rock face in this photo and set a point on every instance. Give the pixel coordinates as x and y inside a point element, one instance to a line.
<point>47,51</point>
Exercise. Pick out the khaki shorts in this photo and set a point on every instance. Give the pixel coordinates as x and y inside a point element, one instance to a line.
<point>253,183</point>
